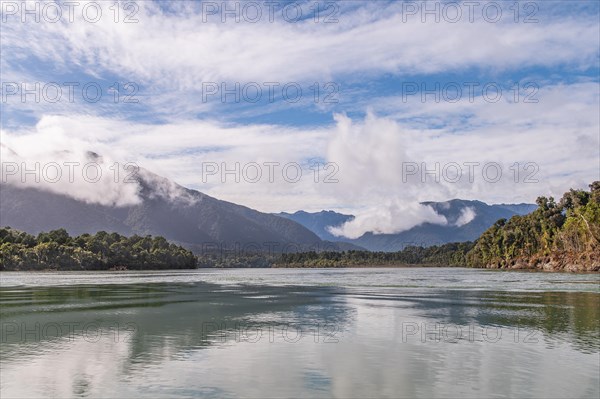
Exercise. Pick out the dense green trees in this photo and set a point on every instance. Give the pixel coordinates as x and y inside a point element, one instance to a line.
<point>235,260</point>
<point>101,251</point>
<point>563,235</point>
<point>453,254</point>
<point>560,234</point>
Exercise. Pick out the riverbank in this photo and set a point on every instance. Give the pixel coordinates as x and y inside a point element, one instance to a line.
<point>556,262</point>
<point>549,264</point>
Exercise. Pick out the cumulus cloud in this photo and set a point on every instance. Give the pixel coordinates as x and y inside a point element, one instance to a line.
<point>371,156</point>
<point>466,216</point>
<point>393,217</point>
<point>160,187</point>
<point>81,175</point>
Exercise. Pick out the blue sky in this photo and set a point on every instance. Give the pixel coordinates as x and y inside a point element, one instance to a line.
<point>367,62</point>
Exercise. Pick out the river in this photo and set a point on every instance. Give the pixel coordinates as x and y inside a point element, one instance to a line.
<point>260,333</point>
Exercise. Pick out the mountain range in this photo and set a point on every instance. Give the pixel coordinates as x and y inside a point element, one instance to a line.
<point>190,218</point>
<point>466,220</point>
<point>203,223</point>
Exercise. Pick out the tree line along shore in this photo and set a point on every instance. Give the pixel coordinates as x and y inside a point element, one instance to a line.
<point>559,235</point>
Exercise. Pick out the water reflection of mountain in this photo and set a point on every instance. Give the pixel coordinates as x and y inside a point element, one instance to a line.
<point>181,339</point>
<point>165,319</point>
<point>561,316</point>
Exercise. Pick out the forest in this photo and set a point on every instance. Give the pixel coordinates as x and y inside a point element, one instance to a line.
<point>453,254</point>
<point>57,250</point>
<point>558,235</point>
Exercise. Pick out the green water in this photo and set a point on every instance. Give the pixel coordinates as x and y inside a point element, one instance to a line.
<point>422,332</point>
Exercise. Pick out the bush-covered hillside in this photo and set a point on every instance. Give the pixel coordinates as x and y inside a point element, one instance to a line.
<point>563,235</point>
<point>100,251</point>
<point>453,254</point>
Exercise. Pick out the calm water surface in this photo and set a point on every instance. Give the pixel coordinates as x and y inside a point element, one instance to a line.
<point>422,332</point>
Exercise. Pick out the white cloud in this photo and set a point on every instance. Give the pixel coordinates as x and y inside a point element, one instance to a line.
<point>178,50</point>
<point>467,215</point>
<point>392,217</point>
<point>73,173</point>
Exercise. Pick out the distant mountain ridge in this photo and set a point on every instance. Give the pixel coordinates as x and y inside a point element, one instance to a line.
<point>519,209</point>
<point>318,222</point>
<point>458,228</point>
<point>193,219</point>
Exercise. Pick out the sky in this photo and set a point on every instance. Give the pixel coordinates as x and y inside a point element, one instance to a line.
<point>361,107</point>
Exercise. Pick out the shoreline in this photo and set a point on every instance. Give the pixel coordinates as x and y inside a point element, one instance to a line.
<point>408,266</point>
